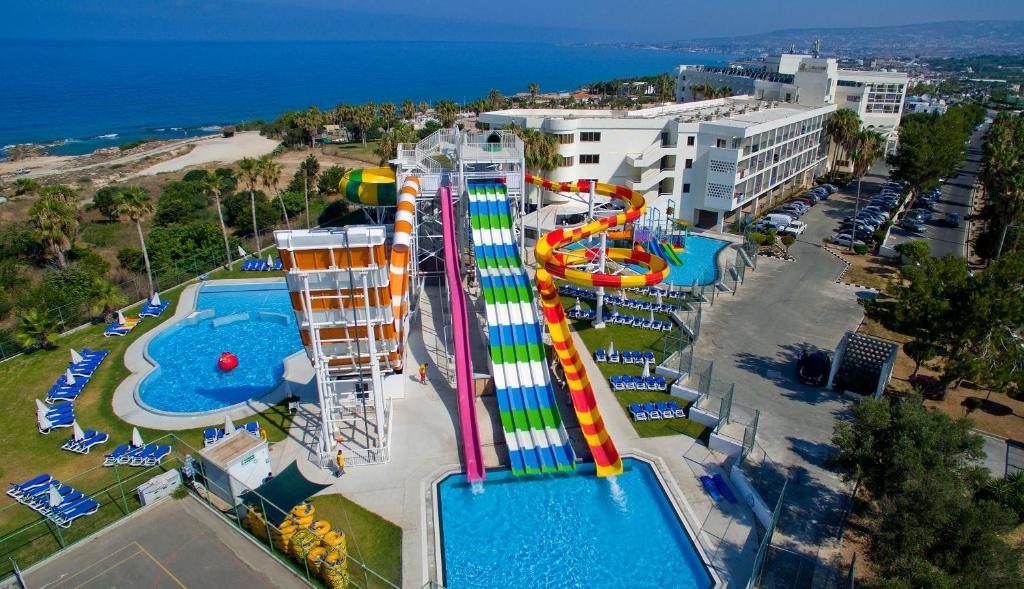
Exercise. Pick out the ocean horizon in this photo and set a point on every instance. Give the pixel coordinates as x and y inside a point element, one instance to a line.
<point>78,96</point>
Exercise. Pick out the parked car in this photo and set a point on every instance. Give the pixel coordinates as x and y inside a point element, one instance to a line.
<point>921,203</point>
<point>803,206</point>
<point>831,188</point>
<point>846,226</point>
<point>920,214</point>
<point>820,191</point>
<point>913,225</point>
<point>778,220</point>
<point>794,228</point>
<point>952,219</point>
<point>794,212</point>
<point>845,239</point>
<point>813,367</point>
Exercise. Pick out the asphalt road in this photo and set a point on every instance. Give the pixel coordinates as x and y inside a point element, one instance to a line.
<point>956,198</point>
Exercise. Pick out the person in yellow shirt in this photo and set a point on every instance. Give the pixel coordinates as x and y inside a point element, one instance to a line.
<point>341,464</point>
<point>423,373</point>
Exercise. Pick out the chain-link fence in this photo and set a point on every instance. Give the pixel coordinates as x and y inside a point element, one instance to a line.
<point>135,289</point>
<point>29,537</point>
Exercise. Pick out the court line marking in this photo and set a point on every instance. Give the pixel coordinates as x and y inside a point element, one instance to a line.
<point>161,565</point>
<point>97,563</point>
<point>107,570</point>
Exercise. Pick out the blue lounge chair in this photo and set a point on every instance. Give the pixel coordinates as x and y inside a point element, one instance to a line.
<point>617,383</point>
<point>141,458</point>
<point>58,421</point>
<point>89,507</point>
<point>153,310</point>
<point>253,427</point>
<point>666,412</point>
<point>648,356</point>
<point>92,438</point>
<point>88,354</point>
<point>637,413</point>
<point>210,436</point>
<point>116,329</point>
<point>652,411</point>
<point>157,456</point>
<point>676,409</point>
<point>600,355</point>
<point>710,488</point>
<point>18,489</point>
<point>278,264</point>
<point>112,458</point>
<point>130,455</point>
<point>723,488</point>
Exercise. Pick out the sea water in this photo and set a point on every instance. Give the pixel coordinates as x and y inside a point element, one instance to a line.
<point>79,96</point>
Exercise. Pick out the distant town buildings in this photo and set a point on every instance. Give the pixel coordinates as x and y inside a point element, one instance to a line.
<point>875,95</point>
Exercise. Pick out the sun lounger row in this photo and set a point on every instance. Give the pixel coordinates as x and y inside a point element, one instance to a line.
<point>586,294</point>
<point>582,314</point>
<point>651,411</point>
<point>61,503</point>
<point>625,382</point>
<point>628,357</point>
<point>89,439</point>
<point>86,362</point>
<point>716,487</point>
<point>212,435</point>
<point>656,325</point>
<point>128,455</point>
<point>653,291</point>
<point>261,265</point>
<point>67,387</point>
<point>56,417</point>
<point>122,327</point>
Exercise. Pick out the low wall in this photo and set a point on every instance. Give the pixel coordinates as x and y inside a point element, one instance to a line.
<point>725,445</point>
<point>701,416</point>
<point>682,392</point>
<point>750,496</point>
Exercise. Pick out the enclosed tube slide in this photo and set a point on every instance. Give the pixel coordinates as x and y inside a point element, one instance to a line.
<point>400,251</point>
<point>559,264</point>
<point>373,187</point>
<point>463,366</point>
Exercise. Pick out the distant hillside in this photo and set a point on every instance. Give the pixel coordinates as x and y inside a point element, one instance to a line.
<point>939,39</point>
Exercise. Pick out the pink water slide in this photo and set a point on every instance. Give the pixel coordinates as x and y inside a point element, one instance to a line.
<point>463,366</point>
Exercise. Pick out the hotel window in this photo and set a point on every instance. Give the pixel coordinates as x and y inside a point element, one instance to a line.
<point>590,136</point>
<point>690,140</point>
<point>686,188</point>
<point>566,138</point>
<point>565,162</point>
<point>689,163</point>
<point>590,158</point>
<point>720,142</point>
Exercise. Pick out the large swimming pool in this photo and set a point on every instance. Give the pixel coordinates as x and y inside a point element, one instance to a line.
<point>253,321</point>
<point>567,530</point>
<point>699,257</point>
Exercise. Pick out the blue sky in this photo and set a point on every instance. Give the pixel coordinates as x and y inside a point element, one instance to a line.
<point>471,20</point>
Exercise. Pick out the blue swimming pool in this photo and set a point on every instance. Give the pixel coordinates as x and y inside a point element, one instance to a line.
<point>253,321</point>
<point>569,530</point>
<point>699,258</point>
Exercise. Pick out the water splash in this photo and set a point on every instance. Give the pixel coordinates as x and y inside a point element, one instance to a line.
<point>618,495</point>
<point>477,487</point>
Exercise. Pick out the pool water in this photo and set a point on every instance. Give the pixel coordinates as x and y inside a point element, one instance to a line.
<point>699,259</point>
<point>253,321</point>
<point>566,530</point>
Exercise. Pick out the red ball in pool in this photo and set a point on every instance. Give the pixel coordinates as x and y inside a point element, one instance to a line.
<point>227,361</point>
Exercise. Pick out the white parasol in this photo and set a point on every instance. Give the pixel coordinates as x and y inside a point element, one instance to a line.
<point>229,426</point>
<point>611,348</point>
<point>76,358</point>
<point>241,252</point>
<point>120,318</point>
<point>137,438</point>
<point>647,370</point>
<point>44,423</point>
<point>155,300</point>
<point>55,496</point>
<point>68,377</point>
<point>76,431</point>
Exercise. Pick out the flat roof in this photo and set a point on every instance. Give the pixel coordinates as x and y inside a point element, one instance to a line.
<point>742,111</point>
<point>225,451</point>
<point>871,75</point>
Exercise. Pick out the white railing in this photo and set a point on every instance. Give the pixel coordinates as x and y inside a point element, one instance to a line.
<point>647,156</point>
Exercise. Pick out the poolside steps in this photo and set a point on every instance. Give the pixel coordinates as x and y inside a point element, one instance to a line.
<point>532,425</point>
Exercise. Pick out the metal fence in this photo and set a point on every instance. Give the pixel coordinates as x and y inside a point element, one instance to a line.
<point>28,537</point>
<point>76,314</point>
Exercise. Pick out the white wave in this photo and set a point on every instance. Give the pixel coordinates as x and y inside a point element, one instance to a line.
<point>107,136</point>
<point>211,128</point>
<point>175,129</point>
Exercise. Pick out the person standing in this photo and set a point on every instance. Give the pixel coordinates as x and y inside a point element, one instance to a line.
<point>341,464</point>
<point>423,373</point>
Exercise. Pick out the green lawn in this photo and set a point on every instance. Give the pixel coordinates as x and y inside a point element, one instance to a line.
<point>371,539</point>
<point>634,339</point>
<point>355,151</point>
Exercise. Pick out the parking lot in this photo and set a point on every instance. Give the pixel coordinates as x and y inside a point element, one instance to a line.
<point>172,545</point>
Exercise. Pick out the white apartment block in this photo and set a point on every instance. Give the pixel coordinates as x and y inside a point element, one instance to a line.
<point>707,162</point>
<point>876,96</point>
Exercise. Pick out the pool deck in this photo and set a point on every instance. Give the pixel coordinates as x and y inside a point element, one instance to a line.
<point>425,447</point>
<point>298,374</point>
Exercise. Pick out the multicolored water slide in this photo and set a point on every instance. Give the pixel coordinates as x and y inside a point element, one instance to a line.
<point>473,455</point>
<point>553,263</point>
<point>534,432</point>
<point>373,187</point>
<point>664,251</point>
<point>400,251</point>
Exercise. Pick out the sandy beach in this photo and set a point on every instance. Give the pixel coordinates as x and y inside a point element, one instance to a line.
<point>215,149</point>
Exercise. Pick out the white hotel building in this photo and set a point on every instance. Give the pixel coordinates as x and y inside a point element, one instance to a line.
<point>709,162</point>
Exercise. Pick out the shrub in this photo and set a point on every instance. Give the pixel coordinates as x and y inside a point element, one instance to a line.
<point>131,259</point>
<point>878,236</point>
<point>860,248</point>
<point>915,251</point>
<point>329,179</point>
<point>180,202</point>
<point>787,242</point>
<point>133,144</point>
<point>928,386</point>
<point>105,200</point>
<point>89,260</point>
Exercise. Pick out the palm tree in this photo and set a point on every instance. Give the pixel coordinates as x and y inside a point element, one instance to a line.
<point>408,109</point>
<point>249,168</point>
<point>1002,172</point>
<point>24,186</point>
<point>212,183</point>
<point>387,112</point>
<point>61,192</point>
<point>494,97</point>
<point>363,118</point>
<point>104,297</point>
<point>423,107</point>
<point>310,168</point>
<point>136,205</point>
<point>36,328</point>
<point>446,112</point>
<point>270,174</point>
<point>387,149</point>
<point>56,224</point>
<point>841,128</point>
<point>534,89</point>
<point>866,147</point>
<point>310,121</point>
<point>665,85</point>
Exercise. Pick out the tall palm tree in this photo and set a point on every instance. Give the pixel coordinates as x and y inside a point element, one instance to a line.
<point>1002,172</point>
<point>311,121</point>
<point>213,184</point>
<point>136,205</point>
<point>841,128</point>
<point>270,174</point>
<point>866,147</point>
<point>446,112</point>
<point>665,85</point>
<point>36,328</point>
<point>310,168</point>
<point>423,107</point>
<point>494,97</point>
<point>104,297</point>
<point>61,192</point>
<point>387,112</point>
<point>534,89</point>
<point>408,109</point>
<point>387,149</point>
<point>249,169</point>
<point>363,118</point>
<point>56,224</point>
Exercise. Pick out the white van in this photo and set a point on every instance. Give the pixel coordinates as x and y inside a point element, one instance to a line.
<point>777,221</point>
